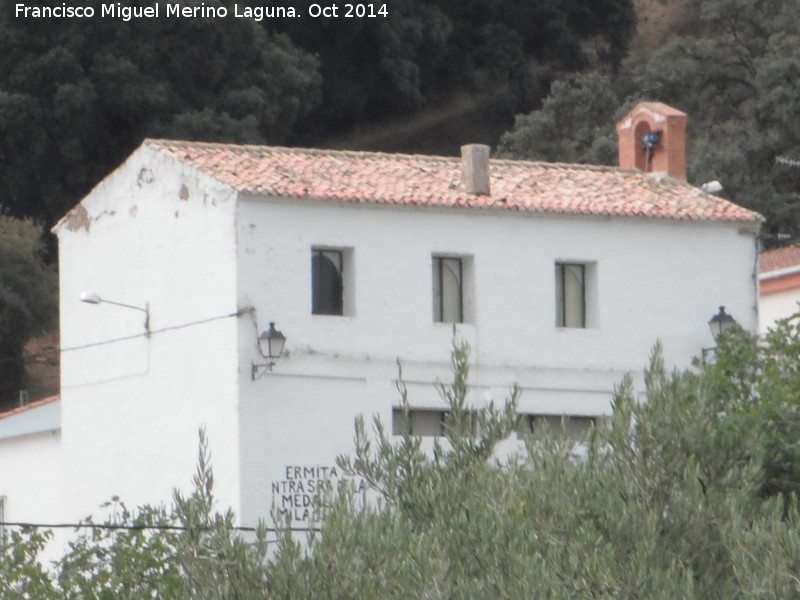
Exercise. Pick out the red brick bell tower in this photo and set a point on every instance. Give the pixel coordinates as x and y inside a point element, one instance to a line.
<point>652,138</point>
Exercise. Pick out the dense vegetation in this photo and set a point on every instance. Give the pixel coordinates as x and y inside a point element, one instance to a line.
<point>735,69</point>
<point>687,495</point>
<point>78,95</point>
<point>28,300</point>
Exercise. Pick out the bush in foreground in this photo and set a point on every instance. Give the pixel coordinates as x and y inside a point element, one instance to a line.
<point>686,495</point>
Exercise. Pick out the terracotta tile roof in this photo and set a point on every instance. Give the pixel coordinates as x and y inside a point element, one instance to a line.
<point>396,179</point>
<point>782,258</point>
<point>29,406</point>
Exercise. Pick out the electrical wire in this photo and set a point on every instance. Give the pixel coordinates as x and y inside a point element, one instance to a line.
<point>134,336</point>
<point>115,526</point>
<point>120,527</point>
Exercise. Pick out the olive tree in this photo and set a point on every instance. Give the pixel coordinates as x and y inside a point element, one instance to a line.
<point>687,492</point>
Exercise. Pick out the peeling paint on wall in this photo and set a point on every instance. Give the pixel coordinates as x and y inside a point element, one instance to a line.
<point>184,194</point>
<point>78,218</point>
<point>133,210</point>
<point>145,176</point>
<point>109,213</point>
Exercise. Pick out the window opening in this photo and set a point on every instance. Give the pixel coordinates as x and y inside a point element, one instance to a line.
<point>570,295</point>
<point>448,305</point>
<point>431,423</point>
<point>326,282</point>
<point>577,425</point>
<point>422,422</point>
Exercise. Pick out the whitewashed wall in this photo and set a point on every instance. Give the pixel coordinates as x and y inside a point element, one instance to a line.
<point>153,232</point>
<point>31,466</point>
<point>654,280</point>
<point>777,305</point>
<point>158,233</point>
<point>30,477</point>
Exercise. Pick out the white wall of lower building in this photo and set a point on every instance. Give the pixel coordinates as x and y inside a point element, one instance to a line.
<point>30,477</point>
<point>777,305</point>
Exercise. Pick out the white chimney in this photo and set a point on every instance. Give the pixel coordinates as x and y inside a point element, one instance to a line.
<point>475,168</point>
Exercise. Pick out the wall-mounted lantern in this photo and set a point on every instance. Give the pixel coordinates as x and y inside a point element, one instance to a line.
<point>92,298</point>
<point>719,324</point>
<point>270,344</point>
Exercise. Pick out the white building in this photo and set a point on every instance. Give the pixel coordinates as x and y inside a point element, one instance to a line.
<point>561,278</point>
<point>779,280</point>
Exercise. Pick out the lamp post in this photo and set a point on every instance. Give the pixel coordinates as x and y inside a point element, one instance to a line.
<point>92,298</point>
<point>270,343</point>
<point>719,324</point>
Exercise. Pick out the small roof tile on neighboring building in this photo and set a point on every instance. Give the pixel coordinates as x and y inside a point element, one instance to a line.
<point>29,406</point>
<point>397,179</point>
<point>779,259</point>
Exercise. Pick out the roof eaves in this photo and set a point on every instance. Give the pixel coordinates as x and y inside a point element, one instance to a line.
<point>29,406</point>
<point>778,273</point>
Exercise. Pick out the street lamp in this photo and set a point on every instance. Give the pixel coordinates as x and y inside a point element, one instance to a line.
<point>92,298</point>
<point>719,324</point>
<point>270,343</point>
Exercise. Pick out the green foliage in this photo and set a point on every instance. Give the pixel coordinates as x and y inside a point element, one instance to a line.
<point>666,500</point>
<point>761,379</point>
<point>123,558</point>
<point>23,576</point>
<point>574,123</point>
<point>28,300</point>
<point>188,551</point>
<point>78,95</point>
<point>735,73</point>
<point>424,50</point>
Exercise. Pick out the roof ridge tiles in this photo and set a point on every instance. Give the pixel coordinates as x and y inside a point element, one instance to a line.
<point>356,176</point>
<point>380,154</point>
<point>294,149</point>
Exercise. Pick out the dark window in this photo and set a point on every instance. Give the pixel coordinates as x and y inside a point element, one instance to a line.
<point>576,426</point>
<point>326,282</point>
<point>420,422</point>
<point>447,290</point>
<point>570,295</point>
<point>431,423</point>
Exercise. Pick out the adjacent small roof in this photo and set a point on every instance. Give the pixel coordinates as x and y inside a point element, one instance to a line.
<point>36,417</point>
<point>780,259</point>
<point>397,179</point>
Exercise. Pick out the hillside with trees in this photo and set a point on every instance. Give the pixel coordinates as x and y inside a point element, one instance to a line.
<point>78,95</point>
<point>734,69</point>
<point>28,301</point>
